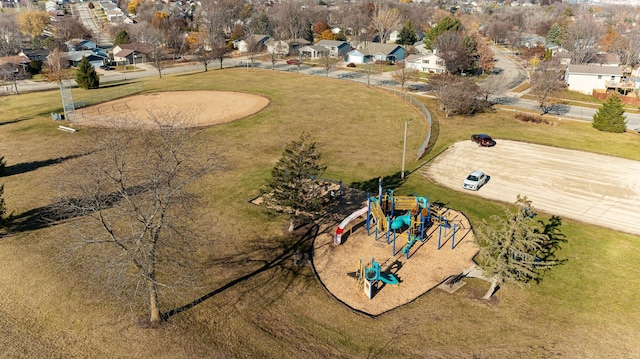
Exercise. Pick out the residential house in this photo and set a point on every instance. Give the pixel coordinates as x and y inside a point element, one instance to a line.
<point>377,52</point>
<point>586,78</point>
<point>133,53</point>
<point>313,51</point>
<point>244,44</point>
<point>112,11</point>
<point>336,48</point>
<point>430,63</point>
<point>296,44</point>
<point>96,60</point>
<point>277,47</point>
<point>38,54</point>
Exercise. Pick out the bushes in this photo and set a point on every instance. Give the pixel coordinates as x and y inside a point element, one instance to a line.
<point>527,117</point>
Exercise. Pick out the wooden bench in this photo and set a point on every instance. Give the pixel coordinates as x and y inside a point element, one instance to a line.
<point>66,129</point>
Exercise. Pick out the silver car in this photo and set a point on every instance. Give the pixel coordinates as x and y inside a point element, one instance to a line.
<point>475,180</point>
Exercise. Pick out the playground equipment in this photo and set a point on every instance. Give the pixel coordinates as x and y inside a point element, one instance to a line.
<point>368,277</point>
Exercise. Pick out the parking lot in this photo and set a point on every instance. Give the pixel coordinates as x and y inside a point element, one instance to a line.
<point>597,189</point>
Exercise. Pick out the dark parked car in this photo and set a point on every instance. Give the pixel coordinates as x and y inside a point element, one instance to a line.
<point>483,140</point>
<point>293,62</point>
<point>106,67</point>
<point>351,64</point>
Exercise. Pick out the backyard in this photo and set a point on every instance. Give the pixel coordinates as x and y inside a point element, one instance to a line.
<point>258,304</point>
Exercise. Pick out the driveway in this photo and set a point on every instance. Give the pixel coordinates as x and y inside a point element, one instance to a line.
<point>587,187</point>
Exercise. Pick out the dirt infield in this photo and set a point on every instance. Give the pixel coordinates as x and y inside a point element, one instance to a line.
<point>588,187</point>
<point>425,269</point>
<point>199,108</point>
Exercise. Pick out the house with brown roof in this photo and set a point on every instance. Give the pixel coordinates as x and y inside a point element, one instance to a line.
<point>137,52</point>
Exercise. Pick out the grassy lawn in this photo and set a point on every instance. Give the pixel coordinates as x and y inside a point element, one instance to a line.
<point>586,307</point>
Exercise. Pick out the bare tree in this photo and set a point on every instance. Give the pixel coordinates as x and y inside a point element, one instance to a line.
<point>451,48</point>
<point>133,208</point>
<point>10,35</point>
<point>328,63</point>
<point>546,84</point>
<point>627,47</point>
<point>385,20</point>
<point>68,28</point>
<point>13,73</point>
<point>581,37</point>
<point>456,95</point>
<point>57,67</point>
<point>289,19</point>
<point>492,85</point>
<point>402,74</point>
<point>371,68</point>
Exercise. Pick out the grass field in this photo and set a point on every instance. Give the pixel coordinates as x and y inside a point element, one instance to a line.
<point>261,307</point>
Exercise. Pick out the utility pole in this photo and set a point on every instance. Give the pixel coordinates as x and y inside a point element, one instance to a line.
<point>404,145</point>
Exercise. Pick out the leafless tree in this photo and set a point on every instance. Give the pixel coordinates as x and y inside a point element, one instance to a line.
<point>450,47</point>
<point>456,95</point>
<point>402,74</point>
<point>132,208</point>
<point>211,25</point>
<point>13,73</point>
<point>155,39</point>
<point>10,35</point>
<point>627,47</point>
<point>290,20</point>
<point>57,66</point>
<point>493,85</point>
<point>546,84</point>
<point>385,20</point>
<point>356,19</point>
<point>371,68</point>
<point>68,28</point>
<point>328,63</point>
<point>581,37</point>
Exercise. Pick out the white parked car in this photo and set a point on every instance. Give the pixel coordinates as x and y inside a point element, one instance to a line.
<point>475,180</point>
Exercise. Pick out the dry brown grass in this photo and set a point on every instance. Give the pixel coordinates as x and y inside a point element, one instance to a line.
<point>264,308</point>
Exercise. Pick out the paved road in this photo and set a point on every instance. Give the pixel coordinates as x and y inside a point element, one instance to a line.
<point>82,11</point>
<point>583,186</point>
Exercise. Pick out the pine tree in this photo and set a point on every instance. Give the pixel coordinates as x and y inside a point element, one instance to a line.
<point>292,179</point>
<point>610,117</point>
<point>86,76</point>
<point>553,35</point>
<point>515,250</point>
<point>122,38</point>
<point>407,35</point>
<point>447,23</point>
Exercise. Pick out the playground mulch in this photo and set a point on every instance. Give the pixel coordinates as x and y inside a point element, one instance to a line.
<point>196,108</point>
<point>427,266</point>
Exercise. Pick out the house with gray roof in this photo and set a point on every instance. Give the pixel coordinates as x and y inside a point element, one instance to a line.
<point>377,52</point>
<point>313,51</point>
<point>336,48</point>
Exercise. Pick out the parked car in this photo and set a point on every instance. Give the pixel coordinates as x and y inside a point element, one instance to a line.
<point>475,180</point>
<point>293,62</point>
<point>106,67</point>
<point>483,140</point>
<point>351,64</point>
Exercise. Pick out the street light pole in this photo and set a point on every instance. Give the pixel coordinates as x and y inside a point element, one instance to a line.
<point>404,146</point>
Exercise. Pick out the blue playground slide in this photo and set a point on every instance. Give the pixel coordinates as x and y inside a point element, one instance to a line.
<point>388,278</point>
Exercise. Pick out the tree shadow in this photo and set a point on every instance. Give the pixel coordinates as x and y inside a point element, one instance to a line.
<point>389,182</point>
<point>16,120</point>
<point>556,238</point>
<point>34,165</point>
<point>60,211</point>
<point>285,256</point>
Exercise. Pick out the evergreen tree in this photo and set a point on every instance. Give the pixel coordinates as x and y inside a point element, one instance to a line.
<point>610,117</point>
<point>292,179</point>
<point>516,250</point>
<point>407,35</point>
<point>86,76</point>
<point>122,38</point>
<point>447,23</point>
<point>553,35</point>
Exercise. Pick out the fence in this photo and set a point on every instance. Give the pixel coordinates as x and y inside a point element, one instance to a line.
<point>423,110</point>
<point>117,92</point>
